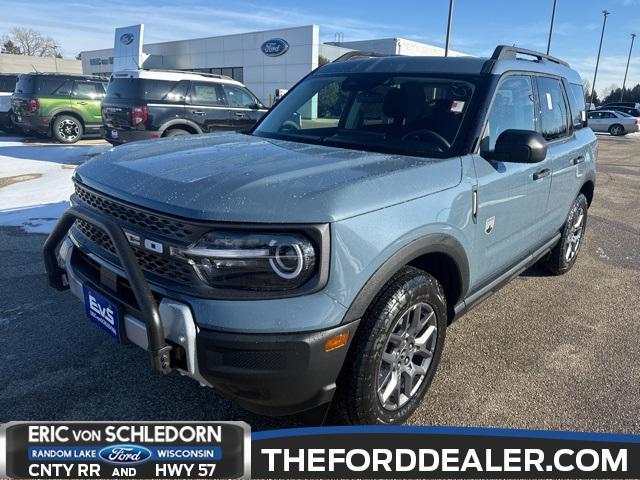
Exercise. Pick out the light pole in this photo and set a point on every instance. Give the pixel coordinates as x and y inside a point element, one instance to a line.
<point>605,13</point>
<point>624,82</point>
<point>553,17</point>
<point>446,44</point>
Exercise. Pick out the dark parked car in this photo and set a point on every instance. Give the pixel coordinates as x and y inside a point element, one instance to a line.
<point>150,104</point>
<point>630,108</point>
<point>62,106</point>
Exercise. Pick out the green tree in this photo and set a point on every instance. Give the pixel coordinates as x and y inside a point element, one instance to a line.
<point>9,47</point>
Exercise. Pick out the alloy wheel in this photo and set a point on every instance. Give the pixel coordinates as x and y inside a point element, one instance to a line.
<point>68,129</point>
<point>407,355</point>
<point>572,243</point>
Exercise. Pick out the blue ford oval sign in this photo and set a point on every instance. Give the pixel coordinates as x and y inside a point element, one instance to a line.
<point>275,47</point>
<point>126,38</point>
<point>125,454</point>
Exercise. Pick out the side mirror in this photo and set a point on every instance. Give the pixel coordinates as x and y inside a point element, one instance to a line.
<point>519,146</point>
<point>583,118</point>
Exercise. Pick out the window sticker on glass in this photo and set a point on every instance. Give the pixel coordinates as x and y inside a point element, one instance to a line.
<point>457,106</point>
<point>549,101</point>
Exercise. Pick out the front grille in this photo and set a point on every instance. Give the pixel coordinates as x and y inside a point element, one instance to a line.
<point>147,221</point>
<point>166,267</point>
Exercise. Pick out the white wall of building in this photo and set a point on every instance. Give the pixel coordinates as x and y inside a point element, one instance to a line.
<point>261,74</point>
<point>397,46</point>
<point>10,63</point>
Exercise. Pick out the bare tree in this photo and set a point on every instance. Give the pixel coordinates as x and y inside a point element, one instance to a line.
<point>30,42</point>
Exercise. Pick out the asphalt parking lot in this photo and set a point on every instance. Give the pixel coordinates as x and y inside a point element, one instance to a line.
<point>543,353</point>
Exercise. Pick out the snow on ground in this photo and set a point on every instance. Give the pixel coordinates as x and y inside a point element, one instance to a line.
<point>36,203</point>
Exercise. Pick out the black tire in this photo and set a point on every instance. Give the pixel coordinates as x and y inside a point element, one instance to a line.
<point>616,130</point>
<point>560,261</point>
<point>175,132</point>
<point>67,129</point>
<point>357,398</point>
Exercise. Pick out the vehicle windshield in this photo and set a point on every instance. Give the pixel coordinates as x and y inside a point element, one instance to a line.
<point>624,114</point>
<point>410,115</point>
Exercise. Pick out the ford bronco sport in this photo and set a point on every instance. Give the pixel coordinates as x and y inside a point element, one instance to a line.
<point>59,105</point>
<point>319,258</point>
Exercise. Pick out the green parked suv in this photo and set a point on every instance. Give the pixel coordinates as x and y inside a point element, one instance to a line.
<point>62,106</point>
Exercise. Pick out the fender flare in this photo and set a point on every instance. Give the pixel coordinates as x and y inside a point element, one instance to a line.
<point>66,111</point>
<point>431,243</point>
<point>179,121</point>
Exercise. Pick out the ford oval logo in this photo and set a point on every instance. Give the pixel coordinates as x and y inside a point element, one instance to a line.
<point>126,38</point>
<point>125,454</point>
<point>275,47</point>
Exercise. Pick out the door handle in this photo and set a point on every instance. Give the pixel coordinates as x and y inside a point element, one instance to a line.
<point>542,173</point>
<point>240,114</point>
<point>197,112</point>
<point>81,103</point>
<point>578,160</point>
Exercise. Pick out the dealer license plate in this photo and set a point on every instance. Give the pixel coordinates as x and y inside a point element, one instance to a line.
<point>103,312</point>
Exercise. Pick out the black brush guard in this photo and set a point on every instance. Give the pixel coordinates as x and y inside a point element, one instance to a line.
<point>159,350</point>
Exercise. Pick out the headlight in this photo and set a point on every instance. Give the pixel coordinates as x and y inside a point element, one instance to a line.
<point>251,261</point>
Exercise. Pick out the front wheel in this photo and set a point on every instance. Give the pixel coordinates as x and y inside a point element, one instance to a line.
<point>564,254</point>
<point>395,353</point>
<point>67,129</point>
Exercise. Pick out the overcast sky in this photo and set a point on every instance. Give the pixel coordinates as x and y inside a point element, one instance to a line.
<point>479,25</point>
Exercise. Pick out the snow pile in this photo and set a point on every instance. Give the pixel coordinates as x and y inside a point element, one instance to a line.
<point>37,202</point>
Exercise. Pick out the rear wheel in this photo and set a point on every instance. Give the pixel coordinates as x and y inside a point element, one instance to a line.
<point>616,130</point>
<point>564,254</point>
<point>175,132</point>
<point>395,353</point>
<point>67,129</point>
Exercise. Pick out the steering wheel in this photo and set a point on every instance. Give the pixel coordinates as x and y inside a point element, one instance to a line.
<point>288,126</point>
<point>427,135</point>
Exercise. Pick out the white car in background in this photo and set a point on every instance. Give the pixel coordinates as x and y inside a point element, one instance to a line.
<point>616,123</point>
<point>7,85</point>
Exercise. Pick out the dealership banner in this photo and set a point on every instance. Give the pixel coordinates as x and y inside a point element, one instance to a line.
<point>124,450</point>
<point>60,450</point>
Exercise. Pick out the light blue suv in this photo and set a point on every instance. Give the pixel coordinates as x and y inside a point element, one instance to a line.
<point>318,259</point>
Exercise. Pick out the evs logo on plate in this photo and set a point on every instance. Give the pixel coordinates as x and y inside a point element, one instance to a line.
<point>275,47</point>
<point>125,454</point>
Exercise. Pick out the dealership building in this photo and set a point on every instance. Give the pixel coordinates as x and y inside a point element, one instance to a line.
<point>264,61</point>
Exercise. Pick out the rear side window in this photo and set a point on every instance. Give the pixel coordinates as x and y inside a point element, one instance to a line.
<point>139,88</point>
<point>46,85</point>
<point>206,94</point>
<point>553,109</point>
<point>8,83</point>
<point>576,102</point>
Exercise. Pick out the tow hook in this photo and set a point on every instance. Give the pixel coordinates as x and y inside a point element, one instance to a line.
<point>161,359</point>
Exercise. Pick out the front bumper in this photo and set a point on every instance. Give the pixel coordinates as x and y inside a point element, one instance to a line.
<point>272,374</point>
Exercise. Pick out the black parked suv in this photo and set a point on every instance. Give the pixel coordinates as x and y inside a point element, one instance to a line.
<point>148,104</point>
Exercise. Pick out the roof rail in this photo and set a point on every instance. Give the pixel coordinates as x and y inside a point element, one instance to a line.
<point>360,54</point>
<point>204,74</point>
<point>506,52</point>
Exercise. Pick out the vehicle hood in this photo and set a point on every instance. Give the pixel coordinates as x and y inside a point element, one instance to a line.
<point>242,178</point>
